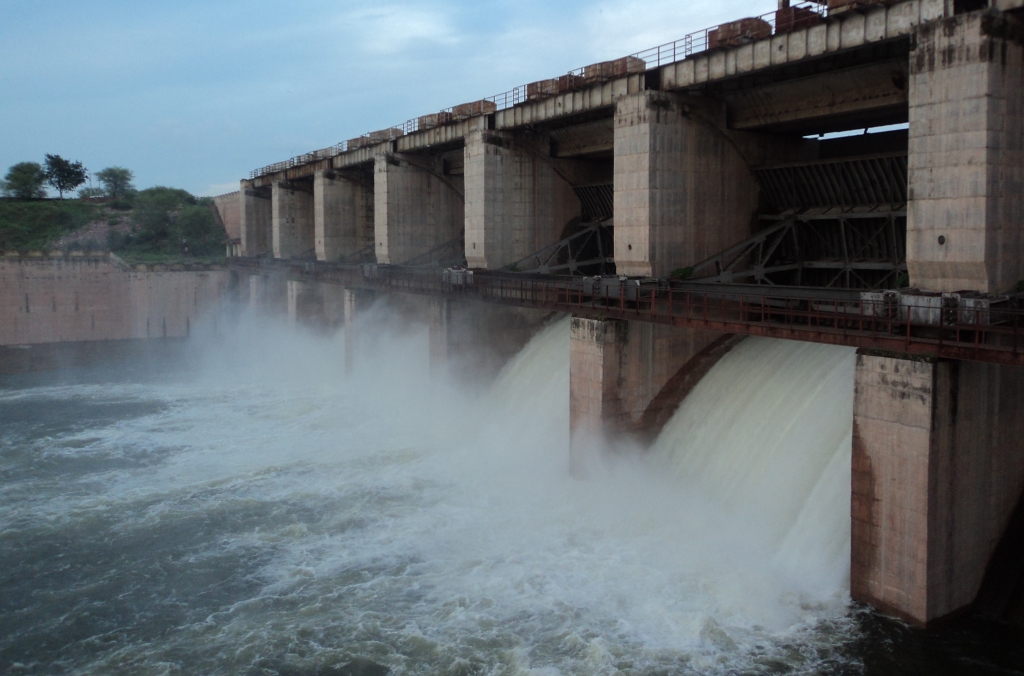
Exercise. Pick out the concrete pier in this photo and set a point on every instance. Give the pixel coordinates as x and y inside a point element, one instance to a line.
<point>417,206</point>
<point>937,471</point>
<point>965,226</point>
<point>292,203</point>
<point>256,221</point>
<point>342,213</point>
<point>473,340</point>
<point>617,369</point>
<point>316,305</point>
<point>268,294</point>
<point>353,303</point>
<point>516,201</point>
<point>683,191</point>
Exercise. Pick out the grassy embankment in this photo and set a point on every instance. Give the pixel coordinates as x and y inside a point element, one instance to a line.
<point>159,225</point>
<point>39,224</point>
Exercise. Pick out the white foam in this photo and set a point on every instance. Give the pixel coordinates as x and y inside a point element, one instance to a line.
<point>448,525</point>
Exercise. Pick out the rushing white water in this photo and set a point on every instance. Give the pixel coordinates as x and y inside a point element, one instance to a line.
<point>266,512</point>
<point>766,436</point>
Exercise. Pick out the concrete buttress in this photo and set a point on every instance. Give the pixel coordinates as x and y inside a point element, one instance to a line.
<point>475,340</point>
<point>268,293</point>
<point>316,304</point>
<point>516,201</point>
<point>416,206</point>
<point>343,213</point>
<point>683,189</point>
<point>938,468</point>
<point>292,203</point>
<point>617,369</point>
<point>965,226</point>
<point>353,302</point>
<point>256,220</point>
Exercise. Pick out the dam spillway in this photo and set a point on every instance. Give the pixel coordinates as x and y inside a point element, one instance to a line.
<point>654,189</point>
<point>226,519</point>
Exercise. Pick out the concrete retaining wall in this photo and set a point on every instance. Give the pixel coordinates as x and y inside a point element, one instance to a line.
<point>55,299</point>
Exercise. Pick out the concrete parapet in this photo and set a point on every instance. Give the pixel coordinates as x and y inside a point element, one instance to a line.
<point>256,220</point>
<point>965,221</point>
<point>293,227</point>
<point>683,191</point>
<point>937,472</point>
<point>516,202</point>
<point>794,42</point>
<point>343,213</point>
<point>416,206</point>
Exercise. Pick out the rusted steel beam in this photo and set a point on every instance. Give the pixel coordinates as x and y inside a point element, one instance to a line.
<point>805,314</point>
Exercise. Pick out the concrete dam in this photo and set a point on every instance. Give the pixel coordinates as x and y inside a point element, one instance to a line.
<point>760,289</point>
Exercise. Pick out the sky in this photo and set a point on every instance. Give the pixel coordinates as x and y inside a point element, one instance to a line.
<point>197,93</point>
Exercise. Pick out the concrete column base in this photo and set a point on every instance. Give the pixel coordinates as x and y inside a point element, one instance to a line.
<point>620,374</point>
<point>438,323</point>
<point>268,294</point>
<point>938,468</point>
<point>316,305</point>
<point>353,302</point>
<point>473,340</point>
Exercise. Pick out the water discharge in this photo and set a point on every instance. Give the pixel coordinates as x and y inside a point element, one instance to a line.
<point>255,511</point>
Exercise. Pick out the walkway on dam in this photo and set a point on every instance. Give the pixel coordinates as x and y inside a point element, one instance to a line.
<point>975,328</point>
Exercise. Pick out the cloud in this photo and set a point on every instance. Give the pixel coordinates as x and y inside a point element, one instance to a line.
<point>396,28</point>
<point>196,94</point>
<point>629,26</point>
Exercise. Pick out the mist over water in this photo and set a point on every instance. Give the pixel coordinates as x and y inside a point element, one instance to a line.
<point>255,510</point>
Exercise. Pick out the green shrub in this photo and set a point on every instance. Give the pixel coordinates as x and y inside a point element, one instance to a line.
<point>170,223</point>
<point>36,224</point>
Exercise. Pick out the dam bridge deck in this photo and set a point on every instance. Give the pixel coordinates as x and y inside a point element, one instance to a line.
<point>970,327</point>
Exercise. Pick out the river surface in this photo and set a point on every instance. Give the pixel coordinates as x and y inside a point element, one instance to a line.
<point>248,508</point>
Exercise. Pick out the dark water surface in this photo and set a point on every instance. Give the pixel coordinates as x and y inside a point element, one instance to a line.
<point>180,519</point>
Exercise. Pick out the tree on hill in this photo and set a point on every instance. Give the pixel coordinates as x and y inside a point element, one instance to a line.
<point>25,181</point>
<point>64,175</point>
<point>117,182</point>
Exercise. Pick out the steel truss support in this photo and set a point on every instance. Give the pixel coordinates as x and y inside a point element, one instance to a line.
<point>832,249</point>
<point>588,251</point>
<point>449,254</point>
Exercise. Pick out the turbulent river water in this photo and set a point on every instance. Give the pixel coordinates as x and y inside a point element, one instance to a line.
<point>248,508</point>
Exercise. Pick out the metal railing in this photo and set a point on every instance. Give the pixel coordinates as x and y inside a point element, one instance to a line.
<point>653,57</point>
<point>975,328</point>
